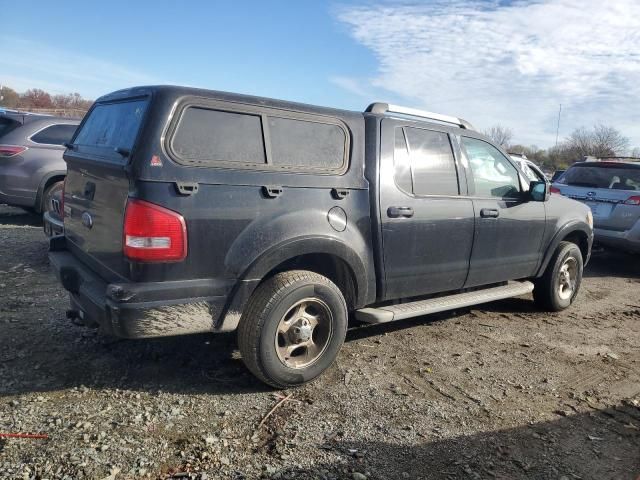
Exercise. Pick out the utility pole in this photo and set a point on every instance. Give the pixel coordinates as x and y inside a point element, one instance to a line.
<point>558,127</point>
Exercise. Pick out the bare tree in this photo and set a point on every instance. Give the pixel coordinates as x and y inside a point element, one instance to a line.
<point>35,98</point>
<point>608,141</point>
<point>635,152</point>
<point>500,135</point>
<point>601,141</point>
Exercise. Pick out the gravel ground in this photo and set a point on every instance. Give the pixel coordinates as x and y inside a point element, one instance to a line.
<point>500,391</point>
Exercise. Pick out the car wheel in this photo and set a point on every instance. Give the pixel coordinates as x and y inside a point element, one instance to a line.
<point>292,328</point>
<point>48,194</point>
<point>560,283</point>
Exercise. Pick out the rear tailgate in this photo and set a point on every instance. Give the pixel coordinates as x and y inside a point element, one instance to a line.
<point>610,189</point>
<point>97,184</point>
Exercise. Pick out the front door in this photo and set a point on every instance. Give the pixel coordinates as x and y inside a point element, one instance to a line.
<point>509,228</point>
<point>427,225</point>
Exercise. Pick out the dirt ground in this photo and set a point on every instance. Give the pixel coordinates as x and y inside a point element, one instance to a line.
<point>499,391</point>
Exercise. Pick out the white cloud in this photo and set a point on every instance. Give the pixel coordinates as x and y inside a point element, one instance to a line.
<point>25,64</point>
<point>509,63</point>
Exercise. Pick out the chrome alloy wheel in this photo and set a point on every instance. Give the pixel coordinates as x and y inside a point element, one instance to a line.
<point>304,333</point>
<point>567,278</point>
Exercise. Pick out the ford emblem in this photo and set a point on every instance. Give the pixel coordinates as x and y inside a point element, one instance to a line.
<point>87,220</point>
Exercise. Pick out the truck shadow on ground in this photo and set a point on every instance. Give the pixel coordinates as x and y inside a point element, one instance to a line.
<point>601,444</point>
<point>199,364</point>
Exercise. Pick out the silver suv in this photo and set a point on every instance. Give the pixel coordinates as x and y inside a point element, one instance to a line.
<point>612,191</point>
<point>31,166</point>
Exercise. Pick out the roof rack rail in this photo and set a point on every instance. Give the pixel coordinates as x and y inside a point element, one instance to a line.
<point>382,108</point>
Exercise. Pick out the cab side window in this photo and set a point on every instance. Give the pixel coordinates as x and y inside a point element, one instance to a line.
<point>424,163</point>
<point>492,174</point>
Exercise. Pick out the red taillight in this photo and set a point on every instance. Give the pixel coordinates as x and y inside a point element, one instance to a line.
<point>635,200</point>
<point>153,233</point>
<point>555,190</point>
<point>11,150</point>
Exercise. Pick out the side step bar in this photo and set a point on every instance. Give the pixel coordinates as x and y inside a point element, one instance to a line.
<point>401,311</point>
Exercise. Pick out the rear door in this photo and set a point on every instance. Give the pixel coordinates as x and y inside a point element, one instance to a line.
<point>611,190</point>
<point>427,225</point>
<point>509,229</point>
<point>97,183</point>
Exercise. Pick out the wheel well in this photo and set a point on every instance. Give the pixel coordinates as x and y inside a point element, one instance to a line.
<point>330,266</point>
<point>47,184</point>
<point>580,239</point>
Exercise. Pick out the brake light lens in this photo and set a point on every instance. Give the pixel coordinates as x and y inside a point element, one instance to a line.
<point>153,233</point>
<point>635,200</point>
<point>555,190</point>
<point>11,150</point>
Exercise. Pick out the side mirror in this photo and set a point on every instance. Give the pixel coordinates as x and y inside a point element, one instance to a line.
<point>539,191</point>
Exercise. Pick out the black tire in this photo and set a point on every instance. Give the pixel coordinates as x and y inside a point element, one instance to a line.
<point>259,332</point>
<point>548,291</point>
<point>48,194</point>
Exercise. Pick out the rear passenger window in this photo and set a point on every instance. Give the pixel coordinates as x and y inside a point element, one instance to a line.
<point>402,166</point>
<point>434,169</point>
<point>212,137</point>
<point>55,134</point>
<point>310,145</point>
<point>424,163</point>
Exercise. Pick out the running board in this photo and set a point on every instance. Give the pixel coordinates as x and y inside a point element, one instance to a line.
<point>401,311</point>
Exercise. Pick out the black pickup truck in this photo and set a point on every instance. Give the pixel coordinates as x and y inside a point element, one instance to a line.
<point>189,210</point>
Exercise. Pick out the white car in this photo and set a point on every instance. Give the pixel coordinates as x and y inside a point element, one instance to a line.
<point>531,170</point>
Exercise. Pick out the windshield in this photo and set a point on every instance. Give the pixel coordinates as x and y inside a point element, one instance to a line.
<point>603,176</point>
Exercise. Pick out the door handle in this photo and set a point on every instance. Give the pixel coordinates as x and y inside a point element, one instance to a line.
<point>395,212</point>
<point>489,213</point>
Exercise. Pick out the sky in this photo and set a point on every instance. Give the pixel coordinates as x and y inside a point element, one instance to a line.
<point>491,62</point>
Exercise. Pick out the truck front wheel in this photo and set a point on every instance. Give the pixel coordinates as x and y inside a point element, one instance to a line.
<point>560,283</point>
<point>292,328</point>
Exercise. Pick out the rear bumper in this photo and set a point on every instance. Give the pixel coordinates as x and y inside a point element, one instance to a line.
<point>625,240</point>
<point>138,310</point>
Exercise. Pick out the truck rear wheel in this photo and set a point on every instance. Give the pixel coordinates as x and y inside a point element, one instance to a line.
<point>292,328</point>
<point>560,283</point>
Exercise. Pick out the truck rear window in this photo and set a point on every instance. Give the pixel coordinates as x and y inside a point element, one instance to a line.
<point>615,177</point>
<point>112,125</point>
